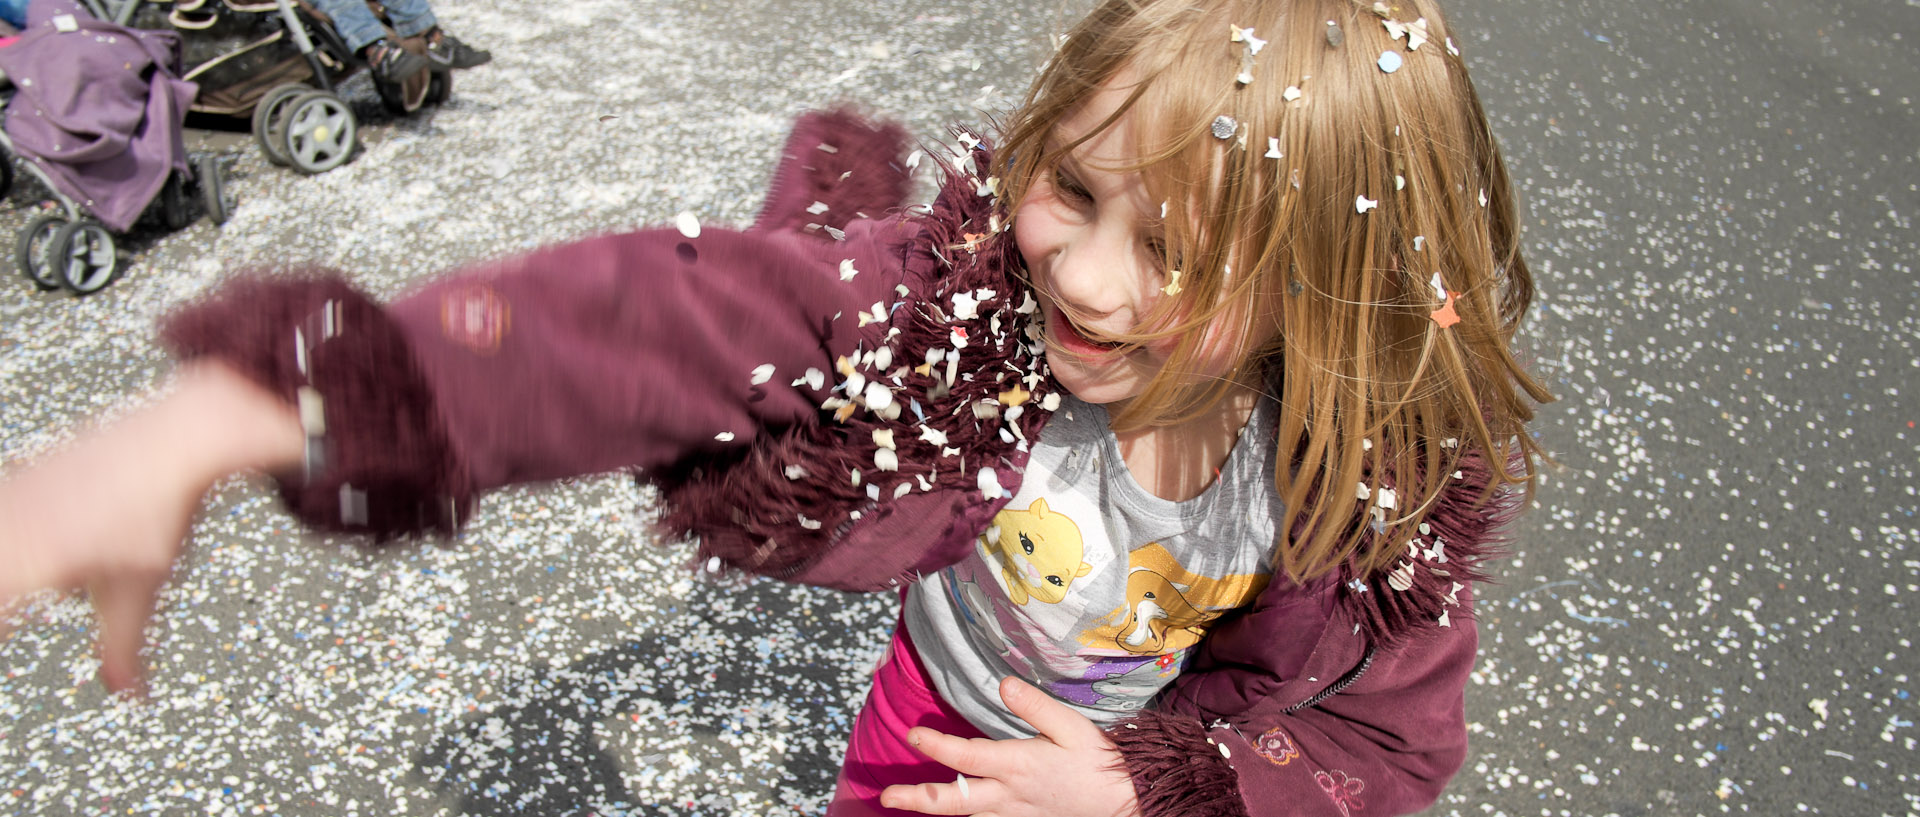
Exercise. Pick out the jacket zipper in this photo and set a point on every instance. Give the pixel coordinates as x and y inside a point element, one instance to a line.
<point>1334,688</point>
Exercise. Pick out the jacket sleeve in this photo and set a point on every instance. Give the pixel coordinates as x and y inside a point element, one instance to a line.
<point>1381,738</point>
<point>623,351</point>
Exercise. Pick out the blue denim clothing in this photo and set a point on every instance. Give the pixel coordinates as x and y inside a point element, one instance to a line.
<point>358,26</point>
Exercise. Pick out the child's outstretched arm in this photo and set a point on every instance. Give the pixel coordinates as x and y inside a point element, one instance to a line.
<point>155,462</point>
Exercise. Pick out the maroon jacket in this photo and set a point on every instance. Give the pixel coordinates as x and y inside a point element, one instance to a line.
<point>747,373</point>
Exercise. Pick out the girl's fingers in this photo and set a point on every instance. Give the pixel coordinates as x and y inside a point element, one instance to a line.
<point>975,796</point>
<point>125,605</point>
<point>1052,719</point>
<point>970,756</point>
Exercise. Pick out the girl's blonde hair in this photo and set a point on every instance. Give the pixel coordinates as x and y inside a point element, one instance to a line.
<point>1383,179</point>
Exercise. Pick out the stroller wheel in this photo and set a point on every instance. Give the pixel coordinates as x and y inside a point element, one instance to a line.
<point>173,203</point>
<point>83,255</point>
<point>213,188</point>
<point>439,86</point>
<point>30,251</point>
<point>268,130</point>
<point>319,132</point>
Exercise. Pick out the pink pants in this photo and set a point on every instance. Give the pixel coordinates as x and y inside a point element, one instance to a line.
<point>878,754</point>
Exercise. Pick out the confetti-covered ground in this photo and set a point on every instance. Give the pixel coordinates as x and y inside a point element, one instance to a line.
<point>1706,612</point>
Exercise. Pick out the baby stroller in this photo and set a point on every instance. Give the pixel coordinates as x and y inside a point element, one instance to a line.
<point>278,62</point>
<point>95,112</point>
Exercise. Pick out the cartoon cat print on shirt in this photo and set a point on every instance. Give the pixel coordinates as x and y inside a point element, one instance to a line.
<point>1167,607</point>
<point>1038,552</point>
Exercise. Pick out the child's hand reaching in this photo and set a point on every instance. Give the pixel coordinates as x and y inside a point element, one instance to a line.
<point>1070,769</point>
<point>109,512</point>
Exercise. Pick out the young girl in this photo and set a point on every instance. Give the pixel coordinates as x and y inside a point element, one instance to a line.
<point>1183,421</point>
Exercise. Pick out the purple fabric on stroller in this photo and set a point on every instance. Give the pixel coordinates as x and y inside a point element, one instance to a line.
<point>99,109</point>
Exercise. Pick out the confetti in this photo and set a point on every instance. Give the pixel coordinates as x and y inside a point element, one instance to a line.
<point>1173,285</point>
<point>877,396</point>
<point>1401,578</point>
<point>847,271</point>
<point>1334,35</point>
<point>1362,204</point>
<point>1390,61</point>
<point>1446,316</point>
<point>724,436</point>
<point>1290,94</point>
<point>961,781</point>
<point>1415,32</point>
<point>966,306</point>
<point>687,223</point>
<point>762,373</point>
<point>989,483</point>
<point>1273,148</point>
<point>1224,127</point>
<point>1254,44</point>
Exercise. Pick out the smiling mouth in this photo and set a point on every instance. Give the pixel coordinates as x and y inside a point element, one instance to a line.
<point>1070,337</point>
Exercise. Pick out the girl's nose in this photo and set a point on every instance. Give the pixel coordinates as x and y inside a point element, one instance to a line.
<point>1091,277</point>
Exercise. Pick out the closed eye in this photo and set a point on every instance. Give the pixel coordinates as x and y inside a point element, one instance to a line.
<point>1069,188</point>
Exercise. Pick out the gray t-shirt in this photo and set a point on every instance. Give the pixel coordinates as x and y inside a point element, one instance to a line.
<point>1090,587</point>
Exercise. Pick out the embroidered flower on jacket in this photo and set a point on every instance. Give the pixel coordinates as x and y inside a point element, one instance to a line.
<point>1343,790</point>
<point>1276,746</point>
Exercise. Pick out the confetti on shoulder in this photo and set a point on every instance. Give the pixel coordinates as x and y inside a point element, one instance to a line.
<point>724,436</point>
<point>847,271</point>
<point>687,223</point>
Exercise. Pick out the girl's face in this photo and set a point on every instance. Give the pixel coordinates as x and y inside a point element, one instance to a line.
<point>1092,242</point>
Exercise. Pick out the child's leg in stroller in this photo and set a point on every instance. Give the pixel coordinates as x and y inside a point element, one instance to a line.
<point>354,21</point>
<point>409,17</point>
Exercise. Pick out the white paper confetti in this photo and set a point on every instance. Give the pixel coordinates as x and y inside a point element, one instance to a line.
<point>1390,61</point>
<point>724,436</point>
<point>1401,578</point>
<point>965,306</point>
<point>687,223</point>
<point>1273,148</point>
<point>847,271</point>
<point>1362,204</point>
<point>1291,93</point>
<point>877,396</point>
<point>762,373</point>
<point>989,483</point>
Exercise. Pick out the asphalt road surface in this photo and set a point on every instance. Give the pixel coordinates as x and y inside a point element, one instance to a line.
<point>1706,612</point>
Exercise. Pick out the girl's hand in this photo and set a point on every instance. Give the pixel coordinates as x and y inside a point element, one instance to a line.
<point>109,512</point>
<point>1070,769</point>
